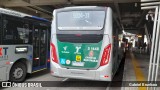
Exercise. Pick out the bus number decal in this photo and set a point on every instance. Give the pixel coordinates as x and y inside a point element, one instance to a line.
<point>93,48</point>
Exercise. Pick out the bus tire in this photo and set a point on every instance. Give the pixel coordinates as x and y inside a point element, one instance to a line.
<point>18,72</point>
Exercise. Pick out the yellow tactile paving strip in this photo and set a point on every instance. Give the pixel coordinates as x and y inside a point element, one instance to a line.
<point>138,72</point>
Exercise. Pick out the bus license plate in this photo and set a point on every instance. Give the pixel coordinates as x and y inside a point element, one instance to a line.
<point>78,63</point>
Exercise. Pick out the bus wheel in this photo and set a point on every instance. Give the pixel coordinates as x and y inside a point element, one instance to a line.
<point>18,72</point>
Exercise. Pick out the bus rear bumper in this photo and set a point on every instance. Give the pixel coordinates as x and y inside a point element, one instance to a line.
<point>103,73</point>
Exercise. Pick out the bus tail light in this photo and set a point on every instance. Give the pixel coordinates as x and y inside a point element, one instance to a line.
<point>106,76</point>
<point>53,53</point>
<point>48,60</point>
<point>106,55</point>
<point>51,72</point>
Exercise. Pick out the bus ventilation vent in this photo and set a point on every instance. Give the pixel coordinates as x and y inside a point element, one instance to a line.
<point>80,38</point>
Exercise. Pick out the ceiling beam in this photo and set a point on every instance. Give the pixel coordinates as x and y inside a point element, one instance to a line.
<point>142,17</point>
<point>148,0</point>
<point>114,17</point>
<point>23,3</point>
<point>48,2</point>
<point>127,1</point>
<point>103,1</point>
<point>90,1</point>
<point>31,11</point>
<point>36,7</point>
<point>38,13</point>
<point>41,9</point>
<point>117,10</point>
<point>118,13</point>
<point>13,3</point>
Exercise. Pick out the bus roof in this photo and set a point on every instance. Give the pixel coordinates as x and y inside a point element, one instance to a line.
<point>41,19</point>
<point>19,14</point>
<point>81,7</point>
<point>13,13</point>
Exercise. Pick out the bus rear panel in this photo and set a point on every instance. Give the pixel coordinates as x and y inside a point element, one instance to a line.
<point>81,43</point>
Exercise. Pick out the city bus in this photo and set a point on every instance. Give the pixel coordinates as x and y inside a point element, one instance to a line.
<point>85,43</point>
<point>24,44</point>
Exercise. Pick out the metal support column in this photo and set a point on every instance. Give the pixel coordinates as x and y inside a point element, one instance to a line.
<point>155,49</point>
<point>147,34</point>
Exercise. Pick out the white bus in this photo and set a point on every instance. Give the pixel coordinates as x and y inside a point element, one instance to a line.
<point>23,44</point>
<point>84,43</point>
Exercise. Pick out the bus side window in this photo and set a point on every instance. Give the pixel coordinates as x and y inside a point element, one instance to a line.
<point>23,33</point>
<point>8,33</point>
<point>0,29</point>
<point>48,38</point>
<point>15,31</point>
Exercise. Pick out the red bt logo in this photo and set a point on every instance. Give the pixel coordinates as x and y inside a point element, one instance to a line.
<point>91,53</point>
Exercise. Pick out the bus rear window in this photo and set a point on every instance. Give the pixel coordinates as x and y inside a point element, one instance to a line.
<point>81,20</point>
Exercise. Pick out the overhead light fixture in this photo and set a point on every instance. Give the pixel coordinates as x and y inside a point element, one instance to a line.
<point>124,32</point>
<point>139,36</point>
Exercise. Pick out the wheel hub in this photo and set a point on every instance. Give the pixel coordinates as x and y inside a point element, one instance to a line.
<point>18,73</point>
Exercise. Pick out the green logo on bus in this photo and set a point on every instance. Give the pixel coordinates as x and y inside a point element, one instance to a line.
<point>79,55</point>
